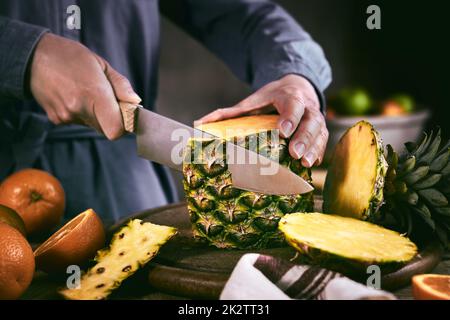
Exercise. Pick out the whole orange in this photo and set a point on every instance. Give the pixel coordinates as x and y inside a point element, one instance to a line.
<point>36,196</point>
<point>16,263</point>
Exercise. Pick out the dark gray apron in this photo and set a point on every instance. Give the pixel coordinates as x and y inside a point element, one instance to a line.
<point>96,173</point>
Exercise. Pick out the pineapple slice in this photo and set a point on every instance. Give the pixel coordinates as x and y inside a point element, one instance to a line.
<point>345,244</point>
<point>409,192</point>
<point>355,178</point>
<point>131,247</point>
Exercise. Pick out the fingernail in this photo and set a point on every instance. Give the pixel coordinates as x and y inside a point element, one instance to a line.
<point>286,128</point>
<point>133,95</point>
<point>309,158</point>
<point>299,149</point>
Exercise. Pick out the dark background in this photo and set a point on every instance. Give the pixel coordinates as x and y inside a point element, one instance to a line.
<point>409,54</point>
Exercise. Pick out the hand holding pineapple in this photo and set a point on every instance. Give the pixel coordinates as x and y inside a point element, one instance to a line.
<point>297,102</point>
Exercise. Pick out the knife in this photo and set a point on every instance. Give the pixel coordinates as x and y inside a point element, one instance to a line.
<point>162,140</point>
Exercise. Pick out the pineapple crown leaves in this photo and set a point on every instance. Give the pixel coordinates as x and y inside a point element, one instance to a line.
<point>418,184</point>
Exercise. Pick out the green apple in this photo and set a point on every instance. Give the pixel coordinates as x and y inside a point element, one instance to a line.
<point>353,102</point>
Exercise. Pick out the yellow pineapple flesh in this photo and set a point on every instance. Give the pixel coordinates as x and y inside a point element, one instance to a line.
<point>345,244</point>
<point>131,248</point>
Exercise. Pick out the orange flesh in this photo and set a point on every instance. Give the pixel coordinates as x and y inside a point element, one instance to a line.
<point>443,286</point>
<point>61,233</point>
<point>438,285</point>
<point>241,126</point>
<point>356,178</point>
<point>433,286</point>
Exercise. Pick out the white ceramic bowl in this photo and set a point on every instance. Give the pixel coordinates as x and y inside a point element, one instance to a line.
<point>393,130</point>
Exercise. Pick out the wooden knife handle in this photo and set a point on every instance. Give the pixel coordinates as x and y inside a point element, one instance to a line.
<point>129,115</point>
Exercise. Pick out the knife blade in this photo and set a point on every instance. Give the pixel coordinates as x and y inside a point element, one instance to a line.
<point>163,140</point>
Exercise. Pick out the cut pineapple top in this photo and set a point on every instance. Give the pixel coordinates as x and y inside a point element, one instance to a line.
<point>348,238</point>
<point>355,178</point>
<point>228,217</point>
<point>240,127</point>
<point>131,247</point>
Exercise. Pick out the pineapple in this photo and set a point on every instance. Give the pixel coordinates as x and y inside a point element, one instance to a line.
<point>408,193</point>
<point>223,215</point>
<point>345,244</point>
<point>418,188</point>
<point>131,247</point>
<point>358,154</point>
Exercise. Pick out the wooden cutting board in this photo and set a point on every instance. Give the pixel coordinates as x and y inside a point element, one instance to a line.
<point>187,268</point>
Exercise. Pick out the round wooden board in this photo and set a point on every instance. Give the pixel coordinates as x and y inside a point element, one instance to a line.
<point>187,268</point>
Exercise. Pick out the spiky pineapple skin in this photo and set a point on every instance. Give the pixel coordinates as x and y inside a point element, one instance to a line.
<point>227,217</point>
<point>418,188</point>
<point>378,196</point>
<point>131,247</point>
<point>411,191</point>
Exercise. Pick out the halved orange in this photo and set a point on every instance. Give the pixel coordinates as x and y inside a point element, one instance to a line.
<point>431,287</point>
<point>74,244</point>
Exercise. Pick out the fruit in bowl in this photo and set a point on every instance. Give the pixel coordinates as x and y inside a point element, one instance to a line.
<point>357,101</point>
<point>352,102</point>
<point>397,119</point>
<point>398,105</point>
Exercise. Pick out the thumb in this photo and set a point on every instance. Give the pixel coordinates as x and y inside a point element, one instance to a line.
<point>107,113</point>
<point>120,84</point>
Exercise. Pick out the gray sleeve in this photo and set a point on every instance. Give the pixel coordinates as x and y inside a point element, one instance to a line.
<point>257,39</point>
<point>17,42</point>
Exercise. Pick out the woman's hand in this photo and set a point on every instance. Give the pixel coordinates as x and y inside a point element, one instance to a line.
<point>300,118</point>
<point>74,85</point>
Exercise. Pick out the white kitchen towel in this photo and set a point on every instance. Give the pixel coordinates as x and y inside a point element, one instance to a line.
<point>261,277</point>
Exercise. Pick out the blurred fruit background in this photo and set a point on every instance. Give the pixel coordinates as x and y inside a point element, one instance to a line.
<point>398,118</point>
<point>403,67</point>
<point>358,101</point>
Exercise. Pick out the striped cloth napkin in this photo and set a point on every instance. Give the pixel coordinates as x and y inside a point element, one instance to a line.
<point>261,277</point>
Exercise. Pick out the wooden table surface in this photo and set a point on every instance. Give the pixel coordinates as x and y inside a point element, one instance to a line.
<point>442,268</point>
<point>136,287</point>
